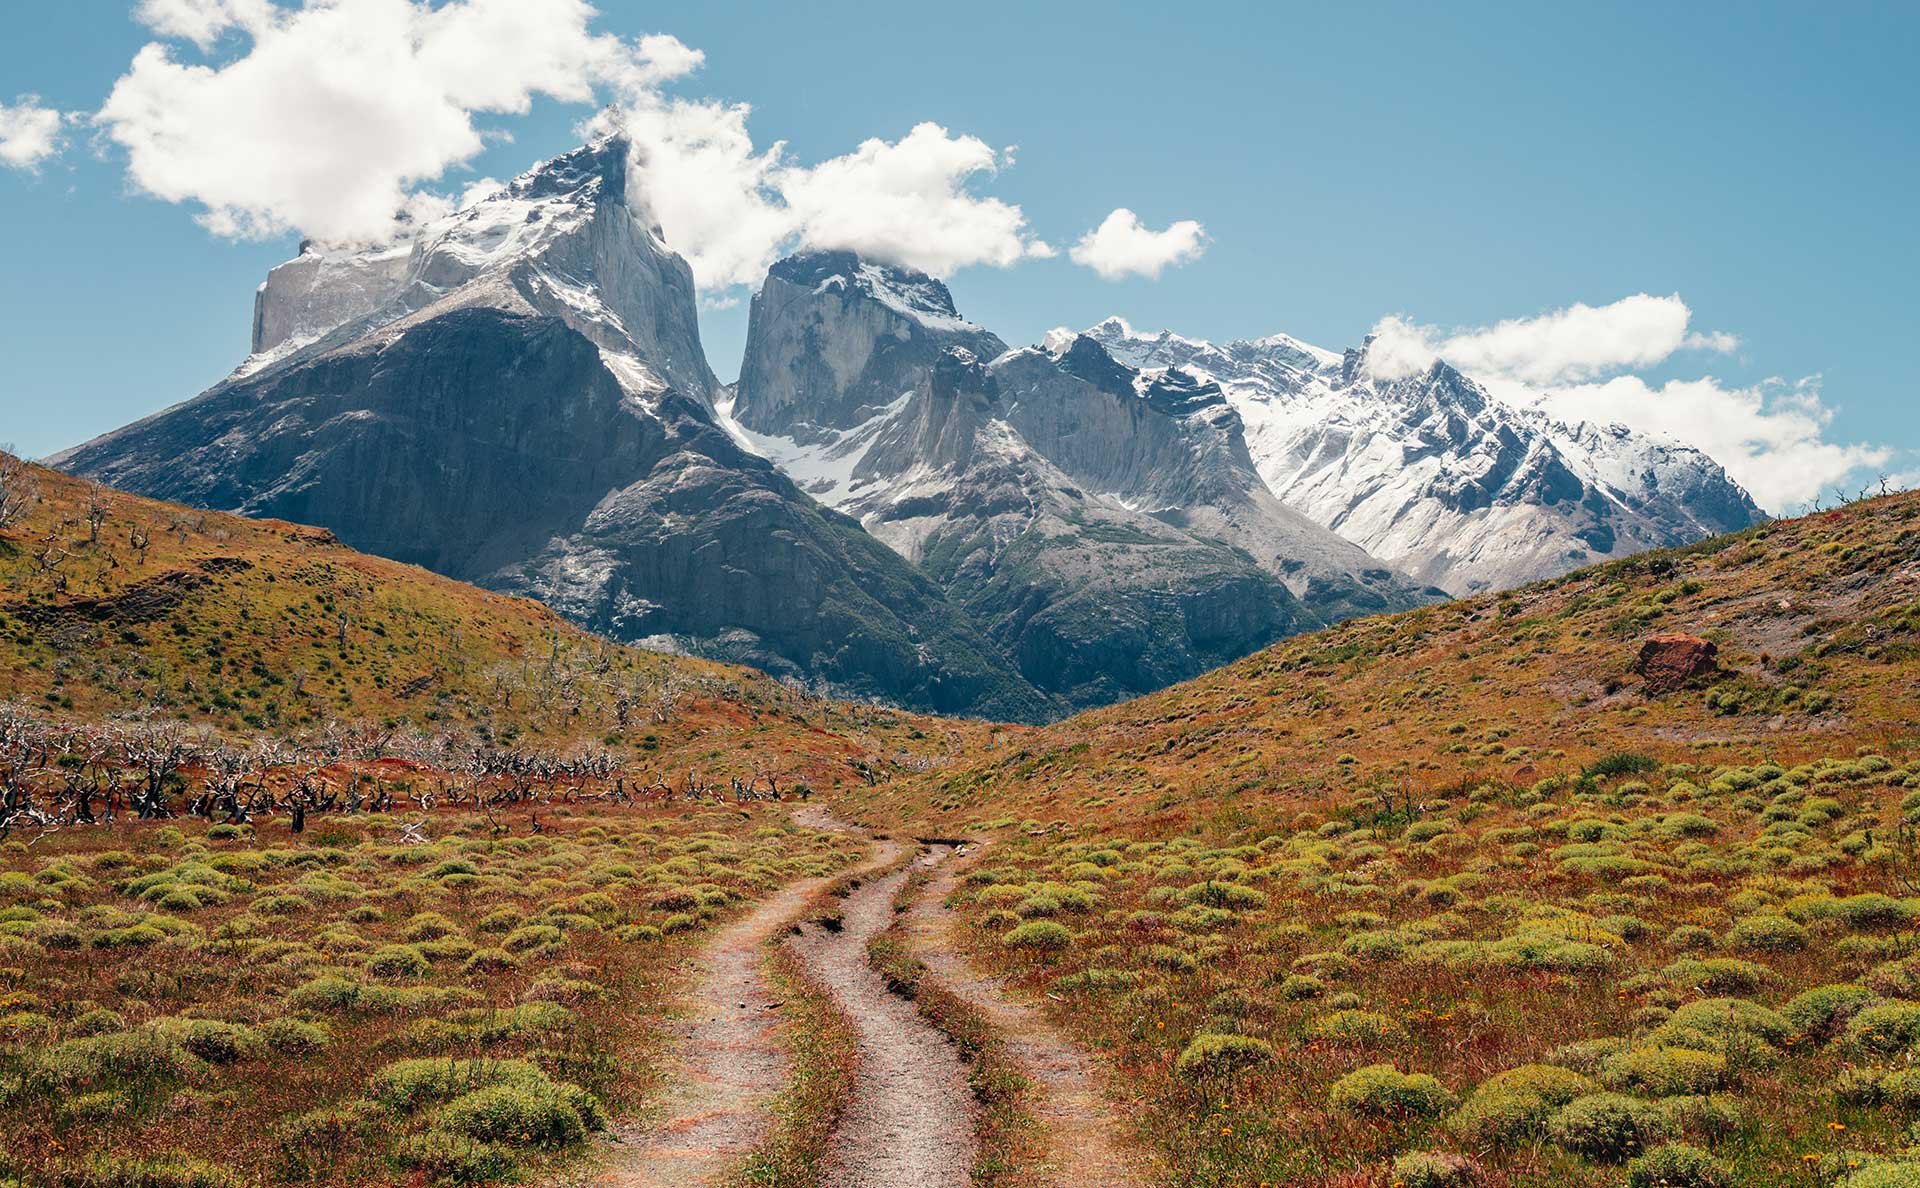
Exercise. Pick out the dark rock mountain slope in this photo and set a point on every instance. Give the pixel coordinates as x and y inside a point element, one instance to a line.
<point>527,409</point>
<point>1112,533</point>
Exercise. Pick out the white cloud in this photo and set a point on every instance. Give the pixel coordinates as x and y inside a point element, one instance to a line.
<point>906,202</point>
<point>337,118</point>
<point>1770,437</point>
<point>203,21</point>
<point>1122,246</point>
<point>29,133</point>
<point>697,176</point>
<point>1578,343</point>
<point>1576,363</point>
<point>339,111</point>
<point>731,209</point>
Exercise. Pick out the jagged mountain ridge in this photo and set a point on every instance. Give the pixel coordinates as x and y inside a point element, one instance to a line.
<point>526,405</point>
<point>1434,474</point>
<point>1109,532</point>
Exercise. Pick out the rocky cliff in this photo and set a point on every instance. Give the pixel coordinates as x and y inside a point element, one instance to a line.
<point>528,408</point>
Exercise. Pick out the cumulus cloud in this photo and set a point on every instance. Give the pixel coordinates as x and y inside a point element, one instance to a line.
<point>338,119</point>
<point>203,22</point>
<point>1770,437</point>
<point>906,202</point>
<point>339,111</point>
<point>1122,246</point>
<point>29,133</point>
<point>731,208</point>
<point>1576,364</point>
<point>1578,343</point>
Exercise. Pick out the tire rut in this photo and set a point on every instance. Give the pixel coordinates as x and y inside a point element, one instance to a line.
<point>732,1060</point>
<point>1087,1146</point>
<point>910,1124</point>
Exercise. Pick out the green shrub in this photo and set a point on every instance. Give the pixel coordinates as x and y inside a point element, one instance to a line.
<point>1231,896</point>
<point>1722,1016</point>
<point>1663,1071</point>
<point>536,1114</point>
<point>1717,975</point>
<point>209,1039</point>
<point>1901,1090</point>
<point>1676,1165</point>
<point>1039,935</point>
<point>1383,1090</point>
<point>1299,987</point>
<point>406,1085</point>
<point>1495,1118</point>
<point>1887,1029</point>
<point>1554,1085</point>
<point>293,1036</point>
<point>445,1158</point>
<point>1435,1169</point>
<point>486,961</point>
<point>533,938</point>
<point>1215,1054</point>
<point>1821,1013</point>
<point>163,1171</point>
<point>1358,1027</point>
<point>79,1064</point>
<point>328,992</point>
<point>1767,934</point>
<point>1606,1127</point>
<point>398,961</point>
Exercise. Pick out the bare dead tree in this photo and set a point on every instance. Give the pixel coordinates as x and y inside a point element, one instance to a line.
<point>157,750</point>
<point>48,554</point>
<point>19,488</point>
<point>140,537</point>
<point>97,507</point>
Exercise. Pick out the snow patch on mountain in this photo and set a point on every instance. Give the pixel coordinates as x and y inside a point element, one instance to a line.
<point>1432,473</point>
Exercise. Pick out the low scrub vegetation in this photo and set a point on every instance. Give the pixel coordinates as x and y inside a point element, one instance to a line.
<point>376,1001</point>
<point>1674,973</point>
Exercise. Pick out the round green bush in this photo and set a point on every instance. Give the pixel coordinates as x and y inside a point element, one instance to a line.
<point>1299,987</point>
<point>1663,1071</point>
<point>535,1114</point>
<point>1887,1029</point>
<point>1358,1027</point>
<point>398,961</point>
<point>1767,934</point>
<point>1676,1165</point>
<point>1039,935</point>
<point>1231,896</point>
<point>1435,1169</point>
<point>1383,1090</point>
<point>1901,1090</point>
<point>1606,1127</point>
<point>1821,1013</point>
<point>1216,1054</point>
<point>1552,1084</point>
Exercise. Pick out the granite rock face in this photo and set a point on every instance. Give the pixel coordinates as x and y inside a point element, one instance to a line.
<point>1432,474</point>
<point>1111,533</point>
<point>529,409</point>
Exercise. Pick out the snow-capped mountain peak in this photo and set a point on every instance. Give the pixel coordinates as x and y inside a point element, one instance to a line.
<point>1431,472</point>
<point>560,240</point>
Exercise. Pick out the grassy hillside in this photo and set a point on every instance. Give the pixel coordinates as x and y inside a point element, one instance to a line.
<point>111,604</point>
<point>1817,624</point>
<point>1458,897</point>
<point>185,1006</point>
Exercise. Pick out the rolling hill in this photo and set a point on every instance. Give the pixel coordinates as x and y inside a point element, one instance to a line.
<point>1614,872</point>
<point>253,627</point>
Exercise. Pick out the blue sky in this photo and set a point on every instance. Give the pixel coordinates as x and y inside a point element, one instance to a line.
<point>1457,165</point>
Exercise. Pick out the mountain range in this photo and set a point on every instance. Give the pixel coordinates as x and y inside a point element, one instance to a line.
<point>890,503</point>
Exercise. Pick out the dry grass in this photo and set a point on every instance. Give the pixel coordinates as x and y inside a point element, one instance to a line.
<point>261,627</point>
<point>257,1000</point>
<point>1450,897</point>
